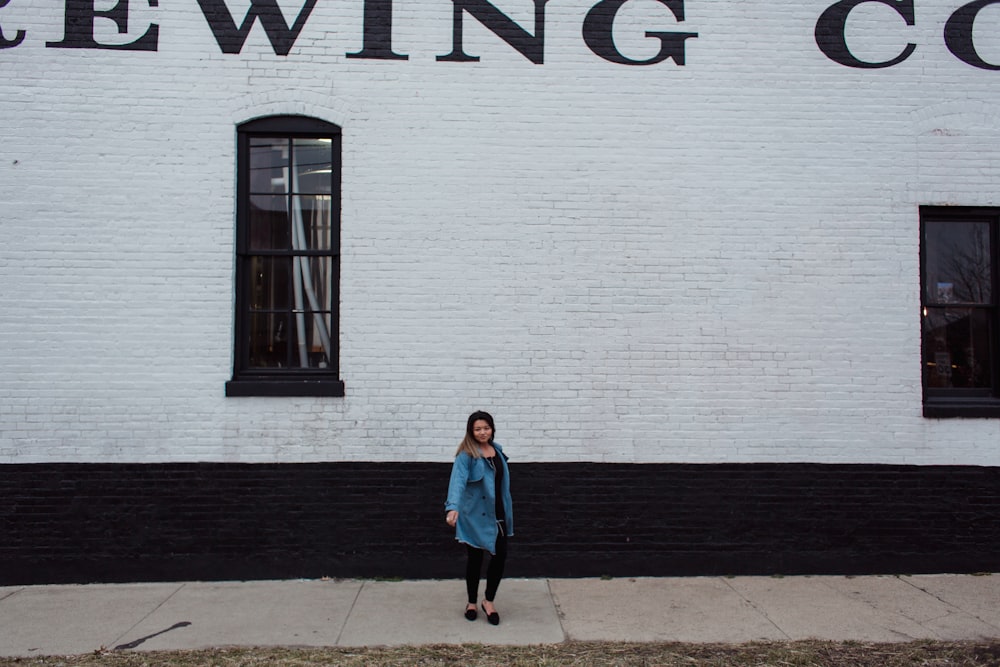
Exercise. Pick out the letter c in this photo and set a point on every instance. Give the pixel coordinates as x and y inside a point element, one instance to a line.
<point>958,34</point>
<point>18,36</point>
<point>830,32</point>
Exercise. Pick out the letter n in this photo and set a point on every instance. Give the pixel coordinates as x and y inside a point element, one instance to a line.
<point>530,46</point>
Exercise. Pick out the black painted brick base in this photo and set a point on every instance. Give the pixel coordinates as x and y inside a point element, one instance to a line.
<point>204,521</point>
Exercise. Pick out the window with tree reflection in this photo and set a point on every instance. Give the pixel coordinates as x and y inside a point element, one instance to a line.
<point>959,312</point>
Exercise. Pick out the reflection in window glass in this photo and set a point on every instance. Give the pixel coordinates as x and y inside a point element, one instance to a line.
<point>960,352</point>
<point>270,283</point>
<point>957,349</point>
<point>296,216</point>
<point>958,263</point>
<point>268,165</point>
<point>311,335</point>
<point>315,215</point>
<point>270,227</point>
<point>268,340</point>
<point>313,160</point>
<point>288,231</point>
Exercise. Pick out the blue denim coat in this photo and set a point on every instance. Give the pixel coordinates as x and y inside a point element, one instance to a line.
<point>472,493</point>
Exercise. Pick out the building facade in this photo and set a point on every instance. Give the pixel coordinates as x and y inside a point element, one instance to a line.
<point>725,273</point>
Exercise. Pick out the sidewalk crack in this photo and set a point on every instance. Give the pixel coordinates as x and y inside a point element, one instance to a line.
<point>953,608</point>
<point>559,612</point>
<point>350,611</point>
<point>876,611</point>
<point>12,593</point>
<point>118,639</point>
<point>755,608</point>
<point>908,582</point>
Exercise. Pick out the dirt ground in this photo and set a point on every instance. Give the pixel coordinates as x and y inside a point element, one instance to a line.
<point>597,654</point>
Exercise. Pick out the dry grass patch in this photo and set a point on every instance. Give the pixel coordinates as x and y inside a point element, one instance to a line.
<point>589,654</point>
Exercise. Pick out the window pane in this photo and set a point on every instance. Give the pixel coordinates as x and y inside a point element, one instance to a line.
<point>268,165</point>
<point>317,280</point>
<point>958,268</point>
<point>306,331</point>
<point>957,348</point>
<point>269,226</point>
<point>313,165</point>
<point>311,339</point>
<point>270,283</point>
<point>314,212</point>
<point>268,340</point>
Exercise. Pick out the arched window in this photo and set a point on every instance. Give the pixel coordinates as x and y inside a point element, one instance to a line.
<point>287,259</point>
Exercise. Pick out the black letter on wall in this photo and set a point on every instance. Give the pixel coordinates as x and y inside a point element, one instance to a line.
<point>832,42</point>
<point>531,47</point>
<point>958,34</point>
<point>18,38</point>
<point>598,26</point>
<point>231,39</point>
<point>79,27</point>
<point>378,32</point>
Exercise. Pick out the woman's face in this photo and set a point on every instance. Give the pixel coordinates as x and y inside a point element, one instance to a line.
<point>482,432</point>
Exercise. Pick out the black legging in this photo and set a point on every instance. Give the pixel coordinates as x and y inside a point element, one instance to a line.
<point>494,572</point>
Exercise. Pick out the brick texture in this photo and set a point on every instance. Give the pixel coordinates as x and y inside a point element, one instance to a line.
<point>709,263</point>
<point>129,522</point>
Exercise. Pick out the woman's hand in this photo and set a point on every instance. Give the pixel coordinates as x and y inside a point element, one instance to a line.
<point>451,518</point>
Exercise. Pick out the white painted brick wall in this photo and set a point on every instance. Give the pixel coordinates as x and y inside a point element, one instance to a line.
<point>715,262</point>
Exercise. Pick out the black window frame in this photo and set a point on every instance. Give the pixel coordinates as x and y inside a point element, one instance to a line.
<point>246,380</point>
<point>955,402</point>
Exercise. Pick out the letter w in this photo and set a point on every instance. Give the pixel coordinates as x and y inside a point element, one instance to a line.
<point>231,38</point>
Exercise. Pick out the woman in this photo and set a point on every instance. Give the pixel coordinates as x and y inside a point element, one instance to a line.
<point>479,508</point>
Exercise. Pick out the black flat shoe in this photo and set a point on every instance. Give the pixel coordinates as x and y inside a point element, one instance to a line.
<point>493,618</point>
<point>470,614</point>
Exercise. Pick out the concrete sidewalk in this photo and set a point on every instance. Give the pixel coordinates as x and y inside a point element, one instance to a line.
<point>61,620</point>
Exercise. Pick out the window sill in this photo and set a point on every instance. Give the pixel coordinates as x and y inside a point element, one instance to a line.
<point>285,387</point>
<point>944,409</point>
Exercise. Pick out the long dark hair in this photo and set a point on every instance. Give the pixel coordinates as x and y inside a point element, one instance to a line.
<point>469,444</point>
